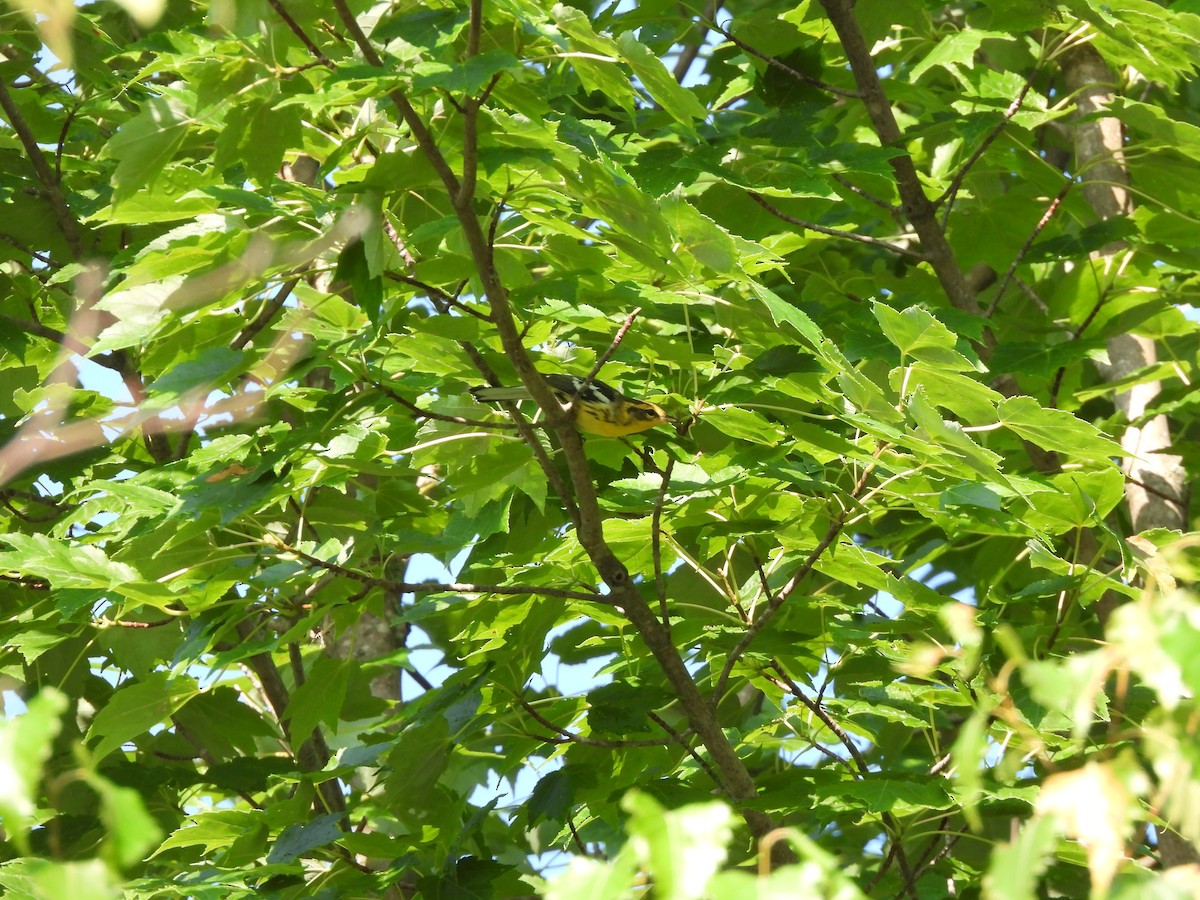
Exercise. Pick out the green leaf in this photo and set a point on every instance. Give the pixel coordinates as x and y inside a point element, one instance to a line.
<point>621,707</point>
<point>968,756</point>
<point>136,708</point>
<point>878,793</point>
<point>212,830</point>
<point>950,436</point>
<point>257,133</point>
<point>709,244</point>
<point>956,49</point>
<point>1057,429</point>
<point>130,831</point>
<point>320,698</point>
<point>921,337</point>
<point>677,101</point>
<point>1072,687</point>
<point>744,425</point>
<point>468,77</point>
<point>296,841</point>
<point>594,57</point>
<point>972,402</point>
<point>44,878</point>
<point>684,847</point>
<point>68,565</point>
<point>592,879</point>
<point>146,143</point>
<point>209,370</point>
<point>1016,866</point>
<point>25,745</point>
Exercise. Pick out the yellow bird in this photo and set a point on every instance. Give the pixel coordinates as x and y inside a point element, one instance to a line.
<point>600,409</point>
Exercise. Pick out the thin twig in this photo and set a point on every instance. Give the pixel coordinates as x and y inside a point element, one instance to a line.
<point>602,359</point>
<point>299,32</point>
<point>827,720</point>
<point>46,260</point>
<point>1012,269</point>
<point>493,225</point>
<point>579,844</point>
<point>832,232</point>
<point>270,308</point>
<point>433,587</point>
<point>27,581</point>
<point>782,66</point>
<point>62,140</point>
<point>389,229</point>
<point>764,584</point>
<point>860,761</point>
<point>930,856</point>
<point>62,339</point>
<point>660,583</point>
<point>448,299</point>
<point>612,348</point>
<point>777,601</point>
<point>869,197</point>
<point>66,221</point>
<point>572,738</point>
<point>420,679</point>
<point>951,191</point>
<point>680,739</point>
<point>441,417</point>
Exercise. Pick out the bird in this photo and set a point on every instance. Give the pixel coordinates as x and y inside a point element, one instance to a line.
<point>598,409</point>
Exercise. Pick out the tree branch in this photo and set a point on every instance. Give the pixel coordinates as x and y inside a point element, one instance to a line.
<point>779,598</point>
<point>66,221</point>
<point>441,417</point>
<point>917,207</point>
<point>893,827</point>
<point>589,528</point>
<point>660,582</point>
<point>782,66</point>
<point>433,587</point>
<point>295,28</point>
<point>833,232</point>
<point>572,738</point>
<point>1037,229</point>
<point>268,311</point>
<point>448,299</point>
<point>63,340</point>
<point>951,191</point>
<point>682,742</point>
<point>308,754</point>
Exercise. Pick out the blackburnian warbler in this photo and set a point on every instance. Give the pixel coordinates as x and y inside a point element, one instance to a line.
<point>599,409</point>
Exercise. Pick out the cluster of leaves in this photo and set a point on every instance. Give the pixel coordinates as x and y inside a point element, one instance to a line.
<point>878,587</point>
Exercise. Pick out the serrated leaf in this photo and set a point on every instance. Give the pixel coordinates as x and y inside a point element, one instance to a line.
<point>1057,429</point>
<point>296,841</point>
<point>146,143</point>
<point>677,100</point>
<point>26,742</point>
<point>136,708</point>
<point>921,337</point>
<point>684,847</point>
